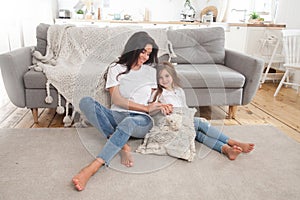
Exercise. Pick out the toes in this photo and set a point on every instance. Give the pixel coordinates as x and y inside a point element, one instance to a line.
<point>78,187</point>
<point>130,164</point>
<point>237,148</point>
<point>75,181</point>
<point>250,148</point>
<point>77,184</point>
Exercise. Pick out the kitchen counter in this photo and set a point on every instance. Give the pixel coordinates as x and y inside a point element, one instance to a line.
<point>196,23</point>
<point>257,25</point>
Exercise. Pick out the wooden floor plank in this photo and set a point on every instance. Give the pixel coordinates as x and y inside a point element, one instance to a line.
<point>45,118</point>
<point>57,121</point>
<point>6,110</point>
<point>268,119</point>
<point>14,118</point>
<point>285,107</point>
<point>26,122</point>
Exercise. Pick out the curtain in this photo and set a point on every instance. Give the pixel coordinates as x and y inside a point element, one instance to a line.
<point>18,21</point>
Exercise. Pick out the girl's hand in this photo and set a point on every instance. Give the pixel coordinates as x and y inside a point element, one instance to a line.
<point>167,109</point>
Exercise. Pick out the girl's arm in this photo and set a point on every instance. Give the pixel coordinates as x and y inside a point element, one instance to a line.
<point>119,100</point>
<point>165,108</point>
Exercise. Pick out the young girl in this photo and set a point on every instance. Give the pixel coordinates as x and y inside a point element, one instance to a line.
<point>170,92</point>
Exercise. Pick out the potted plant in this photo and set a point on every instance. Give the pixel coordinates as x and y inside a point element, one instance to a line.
<point>255,18</point>
<point>79,14</point>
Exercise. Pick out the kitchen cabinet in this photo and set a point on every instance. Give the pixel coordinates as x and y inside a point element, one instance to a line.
<point>235,38</point>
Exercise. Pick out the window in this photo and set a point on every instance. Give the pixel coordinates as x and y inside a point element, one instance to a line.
<point>240,9</point>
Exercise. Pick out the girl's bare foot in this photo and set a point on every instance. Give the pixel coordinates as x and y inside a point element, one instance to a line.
<point>81,179</point>
<point>126,157</point>
<point>246,147</point>
<point>231,152</point>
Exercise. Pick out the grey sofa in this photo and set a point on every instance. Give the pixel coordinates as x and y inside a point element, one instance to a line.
<point>210,74</point>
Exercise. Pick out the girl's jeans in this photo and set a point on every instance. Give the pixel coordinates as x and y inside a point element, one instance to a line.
<point>118,127</point>
<point>209,135</point>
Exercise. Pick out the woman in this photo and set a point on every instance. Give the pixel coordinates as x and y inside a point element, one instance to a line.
<point>170,92</point>
<point>130,82</point>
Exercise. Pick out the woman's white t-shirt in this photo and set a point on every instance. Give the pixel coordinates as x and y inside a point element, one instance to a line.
<point>136,85</point>
<point>175,97</point>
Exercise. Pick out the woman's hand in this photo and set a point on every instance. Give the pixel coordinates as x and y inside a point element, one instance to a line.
<point>154,107</point>
<point>167,109</point>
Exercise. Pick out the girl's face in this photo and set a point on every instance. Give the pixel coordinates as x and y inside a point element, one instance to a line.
<point>144,55</point>
<point>165,79</point>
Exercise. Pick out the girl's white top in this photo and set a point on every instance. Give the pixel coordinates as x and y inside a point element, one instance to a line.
<point>175,97</point>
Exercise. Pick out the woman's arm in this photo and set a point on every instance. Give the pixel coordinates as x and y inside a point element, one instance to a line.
<point>119,100</point>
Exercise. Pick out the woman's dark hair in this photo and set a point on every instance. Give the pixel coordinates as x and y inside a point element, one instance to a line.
<point>135,45</point>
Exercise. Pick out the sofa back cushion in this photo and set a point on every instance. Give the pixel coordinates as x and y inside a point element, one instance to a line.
<point>198,46</point>
<point>41,37</point>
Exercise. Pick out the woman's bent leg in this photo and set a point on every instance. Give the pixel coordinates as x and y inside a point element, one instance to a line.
<point>81,179</point>
<point>135,125</point>
<point>99,116</point>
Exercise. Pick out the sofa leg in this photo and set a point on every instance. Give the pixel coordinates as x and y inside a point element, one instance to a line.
<point>35,115</point>
<point>232,112</point>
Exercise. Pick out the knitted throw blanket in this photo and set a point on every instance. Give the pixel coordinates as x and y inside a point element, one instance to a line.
<point>77,59</point>
<point>172,135</point>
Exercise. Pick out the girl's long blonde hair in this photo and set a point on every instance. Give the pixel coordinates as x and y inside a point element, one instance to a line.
<point>171,70</point>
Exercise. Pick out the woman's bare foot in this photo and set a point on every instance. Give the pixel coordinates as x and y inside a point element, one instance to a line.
<point>231,152</point>
<point>81,179</point>
<point>246,147</point>
<point>126,157</point>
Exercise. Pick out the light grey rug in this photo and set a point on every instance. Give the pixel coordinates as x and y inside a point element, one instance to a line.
<point>40,163</point>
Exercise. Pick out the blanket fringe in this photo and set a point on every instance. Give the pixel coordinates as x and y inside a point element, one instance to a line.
<point>68,119</point>
<point>48,98</point>
<point>60,109</point>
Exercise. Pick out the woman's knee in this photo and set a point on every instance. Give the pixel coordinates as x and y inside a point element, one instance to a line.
<point>139,120</point>
<point>85,103</point>
<point>136,126</point>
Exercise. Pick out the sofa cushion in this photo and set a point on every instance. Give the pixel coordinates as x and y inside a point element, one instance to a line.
<point>209,76</point>
<point>41,36</point>
<point>35,80</point>
<point>203,45</point>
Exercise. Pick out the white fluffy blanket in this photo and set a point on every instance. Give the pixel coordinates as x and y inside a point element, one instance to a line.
<point>172,135</point>
<point>77,58</point>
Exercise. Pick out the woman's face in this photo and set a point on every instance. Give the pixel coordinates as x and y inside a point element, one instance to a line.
<point>165,79</point>
<point>144,55</point>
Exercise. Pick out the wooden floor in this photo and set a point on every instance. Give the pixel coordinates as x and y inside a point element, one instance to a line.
<point>282,112</point>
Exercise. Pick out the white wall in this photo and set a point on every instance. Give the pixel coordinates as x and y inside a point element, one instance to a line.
<point>289,13</point>
<point>18,20</point>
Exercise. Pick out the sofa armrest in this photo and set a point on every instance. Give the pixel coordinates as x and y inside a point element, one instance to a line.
<point>13,66</point>
<point>250,67</point>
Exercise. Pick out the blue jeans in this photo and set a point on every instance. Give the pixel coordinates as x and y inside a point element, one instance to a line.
<point>209,135</point>
<point>117,126</point>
